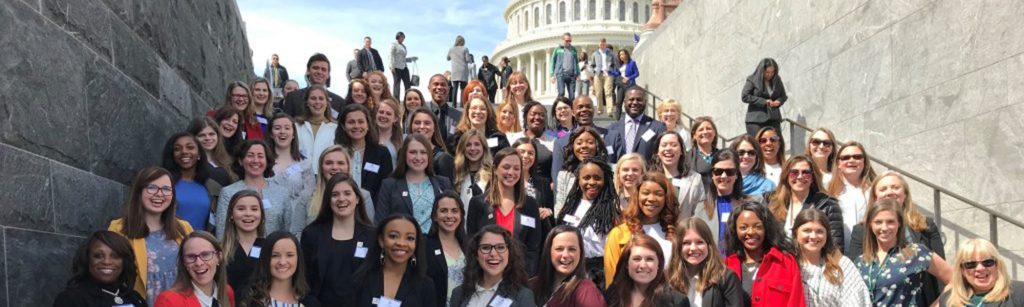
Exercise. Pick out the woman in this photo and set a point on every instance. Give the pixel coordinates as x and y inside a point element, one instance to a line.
<point>762,257</point>
<point>821,147</point>
<point>359,93</point>
<point>537,187</point>
<point>261,107</point>
<point>371,162</point>
<point>423,122</point>
<point>243,239</point>
<point>628,170</point>
<point>379,90</point>
<point>337,242</point>
<point>626,76</point>
<point>195,192</point>
<point>239,98</point>
<point>517,90</point>
<point>446,258</point>
<point>773,153</point>
<point>890,264</point>
<point>227,119</point>
<point>316,126</point>
<point>413,101</point>
<point>475,89</point>
<point>508,121</point>
<point>280,275</point>
<point>389,128</point>
<point>751,166</point>
<point>398,278</point>
<point>562,279</point>
<point>980,278</point>
<point>584,78</point>
<point>480,116</point>
<point>494,274</point>
<point>291,168</point>
<point>459,56</point>
<point>671,113</point>
<point>643,282</point>
<point>852,183</point>
<point>801,190</point>
<point>413,187</point>
<point>829,278</point>
<point>214,149</point>
<point>506,71</point>
<point>201,279</point>
<point>561,116</point>
<point>535,126</point>
<point>764,94</point>
<point>256,165</point>
<point>334,160</point>
<point>150,225</point>
<point>652,212</point>
<point>725,193</point>
<point>505,203</point>
<point>592,207</point>
<point>102,274</point>
<point>705,145</point>
<point>472,165</point>
<point>584,143</point>
<point>696,267</point>
<point>670,158</point>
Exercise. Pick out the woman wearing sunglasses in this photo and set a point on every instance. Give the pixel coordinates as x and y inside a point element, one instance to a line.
<point>980,278</point>
<point>802,190</point>
<point>852,181</point>
<point>821,147</point>
<point>751,166</point>
<point>773,152</point>
<point>725,193</point>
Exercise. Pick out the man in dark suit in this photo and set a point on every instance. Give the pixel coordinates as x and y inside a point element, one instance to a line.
<point>447,116</point>
<point>583,111</point>
<point>369,59</point>
<point>636,132</point>
<point>318,72</point>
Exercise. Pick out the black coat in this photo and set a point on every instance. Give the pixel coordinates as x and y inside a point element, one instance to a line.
<point>488,74</point>
<point>930,237</point>
<point>755,95</point>
<point>364,60</point>
<point>444,164</point>
<point>241,269</point>
<point>88,294</point>
<point>726,293</point>
<point>522,297</point>
<point>542,165</point>
<point>394,196</point>
<point>699,166</point>
<point>829,206</point>
<point>479,214</point>
<point>437,267</point>
<point>379,156</point>
<point>545,198</point>
<point>495,141</point>
<point>643,142</point>
<point>414,291</point>
<point>447,119</point>
<point>295,102</point>
<point>315,238</point>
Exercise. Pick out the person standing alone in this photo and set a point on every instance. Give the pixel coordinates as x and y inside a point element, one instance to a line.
<point>399,69</point>
<point>276,74</point>
<point>564,67</point>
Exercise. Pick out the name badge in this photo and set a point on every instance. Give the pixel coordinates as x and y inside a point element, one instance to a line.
<point>255,252</point>
<point>266,204</point>
<point>610,149</point>
<point>294,169</point>
<point>500,301</point>
<point>211,220</point>
<point>490,216</point>
<point>451,129</point>
<point>572,220</point>
<point>370,167</point>
<point>361,252</point>
<point>381,301</point>
<point>528,221</point>
<point>262,120</point>
<point>677,182</point>
<point>405,193</point>
<point>437,252</point>
<point>647,135</point>
<point>492,142</point>
<point>725,216</point>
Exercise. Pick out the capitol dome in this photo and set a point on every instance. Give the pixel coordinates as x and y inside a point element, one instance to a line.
<point>535,28</point>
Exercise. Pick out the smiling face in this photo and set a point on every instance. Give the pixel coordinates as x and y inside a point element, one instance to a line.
<point>423,125</point>
<point>565,253</point>
<point>635,103</point>
<point>724,182</point>
<point>228,126</point>
<point>359,94</point>
<point>528,154</point>
<point>884,225</point>
<point>492,254</point>
<point>319,71</point>
<point>669,150</point>
<point>750,230</point>
<point>851,161</point>
<point>509,171</point>
<point>507,116</point>
<point>669,116</point>
<point>477,113</point>
<point>334,163</point>
<point>448,216</point>
<point>821,145</point>
<point>583,109</point>
<point>563,113</point>
<point>705,134</point>
<point>769,145</point>
<point>399,241</point>
<point>156,203</point>
<point>693,248</point>
<point>260,94</point>
<point>186,152</point>
<point>629,172</point>
<point>417,158</point>
<point>585,146</point>
<point>317,103</point>
<point>246,214</point>
<point>343,200</point>
<point>386,116</point>
<point>283,131</point>
<point>438,89</point>
<point>284,260</point>
<point>255,161</point>
<point>890,187</point>
<point>800,177</point>
<point>535,118</point>
<point>518,86</point>
<point>981,279</point>
<point>105,265</point>
<point>356,125</point>
<point>747,156</point>
<point>643,265</point>
<point>811,238</point>
<point>652,200</point>
<point>239,98</point>
<point>376,84</point>
<point>474,149</point>
<point>591,181</point>
<point>413,101</point>
<point>201,271</point>
<point>207,138</point>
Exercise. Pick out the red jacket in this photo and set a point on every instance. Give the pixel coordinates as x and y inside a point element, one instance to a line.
<point>777,282</point>
<point>251,129</point>
<point>171,298</point>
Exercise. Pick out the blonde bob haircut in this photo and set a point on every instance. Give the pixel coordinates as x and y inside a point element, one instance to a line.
<point>670,104</point>
<point>960,290</point>
<point>620,187</point>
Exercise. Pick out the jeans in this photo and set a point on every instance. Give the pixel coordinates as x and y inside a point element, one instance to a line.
<point>583,87</point>
<point>400,76</point>
<point>566,82</point>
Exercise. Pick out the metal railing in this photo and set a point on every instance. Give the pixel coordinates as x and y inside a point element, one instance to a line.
<point>937,191</point>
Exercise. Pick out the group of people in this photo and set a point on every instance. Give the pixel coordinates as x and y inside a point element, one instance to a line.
<point>374,200</point>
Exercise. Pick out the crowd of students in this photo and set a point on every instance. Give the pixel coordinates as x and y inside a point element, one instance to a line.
<point>371,200</point>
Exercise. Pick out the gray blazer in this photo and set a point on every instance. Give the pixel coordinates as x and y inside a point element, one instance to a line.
<point>459,56</point>
<point>522,298</point>
<point>282,214</point>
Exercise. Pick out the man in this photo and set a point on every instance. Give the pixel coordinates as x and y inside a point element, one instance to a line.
<point>352,70</point>
<point>276,74</point>
<point>583,111</point>
<point>604,60</point>
<point>369,59</point>
<point>636,132</point>
<point>399,69</point>
<point>565,67</point>
<point>489,76</point>
<point>447,116</point>
<point>318,72</point>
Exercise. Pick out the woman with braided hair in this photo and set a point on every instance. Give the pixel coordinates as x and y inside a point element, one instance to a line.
<point>593,208</point>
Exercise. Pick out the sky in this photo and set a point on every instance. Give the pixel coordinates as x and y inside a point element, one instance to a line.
<point>296,29</point>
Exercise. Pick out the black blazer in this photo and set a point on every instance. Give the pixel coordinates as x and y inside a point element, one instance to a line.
<point>414,291</point>
<point>394,196</point>
<point>545,197</point>
<point>241,269</point>
<point>756,96</point>
<point>447,119</point>
<point>295,100</point>
<point>437,267</point>
<point>479,214</point>
<point>88,294</point>
<point>444,164</point>
<point>648,128</point>
<point>375,154</point>
<point>523,297</point>
<point>542,165</point>
<point>930,237</point>
<point>830,207</point>
<point>727,292</point>
<point>364,60</point>
<point>318,235</point>
<point>556,153</point>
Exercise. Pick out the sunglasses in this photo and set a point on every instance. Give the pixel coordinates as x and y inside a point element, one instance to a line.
<point>726,171</point>
<point>970,265</point>
<point>746,153</point>
<point>774,139</point>
<point>848,157</point>
<point>797,173</point>
<point>819,142</point>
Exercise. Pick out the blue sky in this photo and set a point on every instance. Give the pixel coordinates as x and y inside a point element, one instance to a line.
<point>296,29</point>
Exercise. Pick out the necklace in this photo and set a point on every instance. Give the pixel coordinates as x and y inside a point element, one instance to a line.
<point>117,299</point>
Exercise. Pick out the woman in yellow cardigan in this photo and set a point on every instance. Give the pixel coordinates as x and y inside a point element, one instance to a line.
<point>652,211</point>
<point>154,231</point>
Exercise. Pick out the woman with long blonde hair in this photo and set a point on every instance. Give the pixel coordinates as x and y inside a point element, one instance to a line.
<point>980,278</point>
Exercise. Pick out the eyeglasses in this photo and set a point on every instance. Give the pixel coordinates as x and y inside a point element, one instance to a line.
<point>154,189</point>
<point>726,171</point>
<point>848,157</point>
<point>773,139</point>
<point>746,153</point>
<point>970,265</point>
<point>819,142</point>
<point>205,256</point>
<point>797,173</point>
<point>488,248</point>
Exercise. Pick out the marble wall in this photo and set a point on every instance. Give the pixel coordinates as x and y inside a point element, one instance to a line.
<point>931,86</point>
<point>89,92</point>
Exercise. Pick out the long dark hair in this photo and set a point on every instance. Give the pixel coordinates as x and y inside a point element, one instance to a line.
<point>243,149</point>
<point>737,187</point>
<point>774,236</point>
<point>223,113</point>
<point>134,220</point>
<point>543,288</point>
<point>326,215</point>
<point>259,294</point>
<point>605,210</point>
<point>780,152</point>
<point>168,162</point>
<point>683,165</point>
<point>418,263</point>
<point>571,161</point>
<point>341,136</point>
<point>513,278</point>
<point>492,195</point>
<point>758,167</point>
<point>118,244</point>
<point>435,139</point>
<point>403,166</point>
<point>293,149</point>
<point>553,118</point>
<point>621,289</point>
<point>460,231</point>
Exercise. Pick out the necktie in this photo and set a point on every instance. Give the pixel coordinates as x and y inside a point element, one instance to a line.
<point>630,134</point>
<point>214,303</point>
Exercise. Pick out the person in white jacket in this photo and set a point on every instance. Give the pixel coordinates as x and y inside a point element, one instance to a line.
<point>315,126</point>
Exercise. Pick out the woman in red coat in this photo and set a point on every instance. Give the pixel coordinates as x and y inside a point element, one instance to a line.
<point>202,281</point>
<point>762,258</point>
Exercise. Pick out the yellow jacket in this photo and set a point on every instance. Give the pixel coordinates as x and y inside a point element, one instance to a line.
<point>617,240</point>
<point>139,248</point>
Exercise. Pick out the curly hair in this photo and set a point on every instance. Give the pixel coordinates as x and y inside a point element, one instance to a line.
<point>634,215</point>
<point>514,277</point>
<point>571,160</point>
<point>774,235</point>
<point>604,212</point>
<point>118,244</point>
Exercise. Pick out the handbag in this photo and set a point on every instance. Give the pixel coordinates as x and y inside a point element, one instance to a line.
<point>415,79</point>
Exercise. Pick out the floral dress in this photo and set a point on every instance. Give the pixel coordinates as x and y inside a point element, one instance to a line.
<point>894,281</point>
<point>162,257</point>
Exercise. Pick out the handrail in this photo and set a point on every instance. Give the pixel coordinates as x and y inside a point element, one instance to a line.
<point>937,190</point>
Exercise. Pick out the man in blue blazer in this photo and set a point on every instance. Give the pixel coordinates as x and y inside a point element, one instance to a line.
<point>583,111</point>
<point>636,131</point>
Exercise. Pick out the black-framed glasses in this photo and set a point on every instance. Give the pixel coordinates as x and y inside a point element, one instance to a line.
<point>970,265</point>
<point>205,256</point>
<point>820,142</point>
<point>773,139</point>
<point>848,157</point>
<point>154,189</point>
<point>746,153</point>
<point>723,171</point>
<point>488,248</point>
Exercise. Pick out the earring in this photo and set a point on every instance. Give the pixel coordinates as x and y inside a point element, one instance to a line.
<point>382,258</point>
<point>413,260</point>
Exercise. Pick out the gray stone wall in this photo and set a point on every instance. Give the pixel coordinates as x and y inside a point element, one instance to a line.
<point>933,87</point>
<point>89,92</point>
